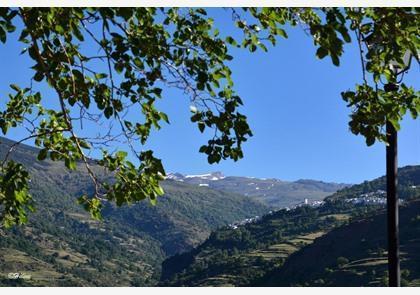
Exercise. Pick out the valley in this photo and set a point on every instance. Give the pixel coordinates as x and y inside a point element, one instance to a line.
<point>277,250</point>
<point>222,233</point>
<point>62,240</point>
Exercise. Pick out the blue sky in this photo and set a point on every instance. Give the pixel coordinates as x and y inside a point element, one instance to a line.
<point>294,107</point>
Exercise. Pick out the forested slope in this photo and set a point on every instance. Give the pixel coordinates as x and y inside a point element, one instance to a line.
<point>62,245</point>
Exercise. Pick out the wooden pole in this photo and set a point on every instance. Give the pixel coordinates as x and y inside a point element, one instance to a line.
<point>392,200</point>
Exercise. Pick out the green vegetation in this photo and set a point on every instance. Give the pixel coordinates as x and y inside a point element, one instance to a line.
<point>242,255</point>
<point>143,53</point>
<point>354,255</point>
<point>144,49</point>
<point>62,245</point>
<point>108,63</point>
<point>256,253</point>
<point>408,178</point>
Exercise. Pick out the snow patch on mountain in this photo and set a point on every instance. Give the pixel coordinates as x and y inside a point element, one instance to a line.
<point>209,176</point>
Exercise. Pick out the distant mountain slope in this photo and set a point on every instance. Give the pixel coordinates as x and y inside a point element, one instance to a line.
<point>62,245</point>
<point>237,256</point>
<point>186,215</point>
<point>408,181</point>
<point>273,192</point>
<point>354,255</point>
<point>241,255</point>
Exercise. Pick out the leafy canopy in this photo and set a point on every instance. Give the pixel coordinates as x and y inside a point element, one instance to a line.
<point>106,64</point>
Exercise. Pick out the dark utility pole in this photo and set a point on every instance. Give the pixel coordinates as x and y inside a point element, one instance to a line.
<point>392,200</point>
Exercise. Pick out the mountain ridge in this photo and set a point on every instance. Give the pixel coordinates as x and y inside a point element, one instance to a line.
<point>359,261</point>
<point>62,240</point>
<point>273,192</point>
<point>243,254</point>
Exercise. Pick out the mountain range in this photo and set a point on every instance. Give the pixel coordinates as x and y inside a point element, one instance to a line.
<point>273,192</point>
<point>62,245</point>
<point>340,241</point>
<point>207,229</point>
<point>354,255</point>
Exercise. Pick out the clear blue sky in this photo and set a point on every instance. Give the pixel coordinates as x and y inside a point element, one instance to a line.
<point>294,107</point>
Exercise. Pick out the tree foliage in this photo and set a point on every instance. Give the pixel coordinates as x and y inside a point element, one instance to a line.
<point>383,35</point>
<point>110,65</point>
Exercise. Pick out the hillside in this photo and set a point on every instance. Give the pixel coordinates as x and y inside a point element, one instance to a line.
<point>62,245</point>
<point>271,191</point>
<point>244,254</point>
<point>408,185</point>
<point>237,256</point>
<point>354,255</point>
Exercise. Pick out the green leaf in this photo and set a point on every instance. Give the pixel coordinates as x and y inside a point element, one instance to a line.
<point>164,117</point>
<point>38,76</point>
<point>201,126</point>
<point>153,201</point>
<point>203,149</point>
<point>15,87</point>
<point>321,52</point>
<point>121,154</point>
<point>159,190</point>
<point>84,144</point>
<point>119,67</point>
<point>70,163</point>
<point>2,34</point>
<point>335,60</point>
<point>78,34</point>
<point>100,75</point>
<point>370,140</point>
<point>42,155</point>
<point>231,41</point>
<point>128,124</point>
<point>108,112</point>
<point>281,32</point>
<point>59,29</point>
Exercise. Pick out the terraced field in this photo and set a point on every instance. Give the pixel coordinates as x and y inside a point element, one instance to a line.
<point>254,261</point>
<point>354,255</point>
<point>40,272</point>
<point>284,249</point>
<point>339,217</point>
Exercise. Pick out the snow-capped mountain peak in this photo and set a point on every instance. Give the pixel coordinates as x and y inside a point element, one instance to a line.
<point>175,176</point>
<point>208,176</point>
<point>198,177</point>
